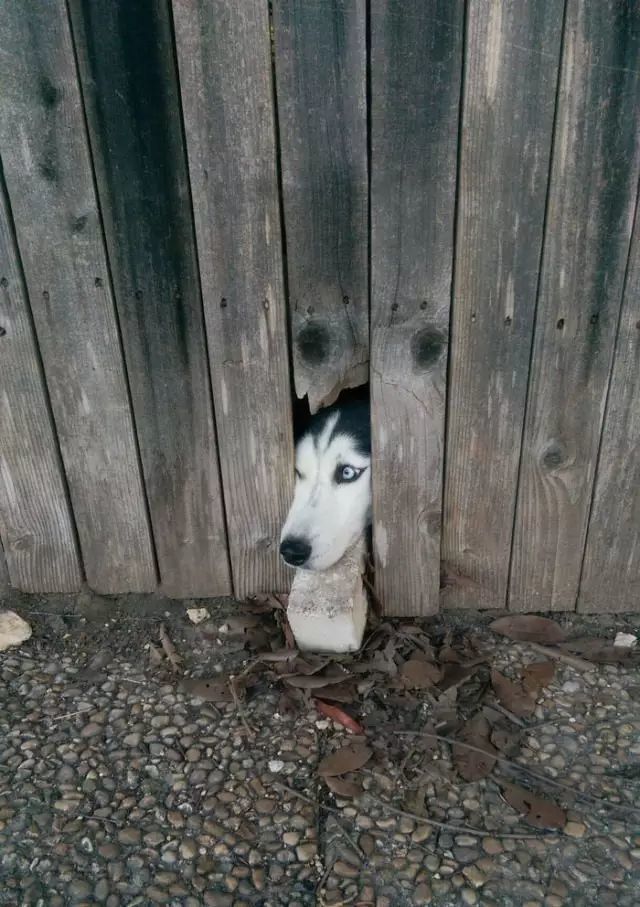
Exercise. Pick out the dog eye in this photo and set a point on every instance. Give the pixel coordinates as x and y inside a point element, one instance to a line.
<point>347,474</point>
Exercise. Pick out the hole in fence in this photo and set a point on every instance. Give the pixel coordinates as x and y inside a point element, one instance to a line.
<point>560,324</point>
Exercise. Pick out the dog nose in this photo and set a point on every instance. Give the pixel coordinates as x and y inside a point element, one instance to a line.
<point>295,550</point>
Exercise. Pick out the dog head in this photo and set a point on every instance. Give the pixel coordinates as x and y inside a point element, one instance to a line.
<point>332,501</point>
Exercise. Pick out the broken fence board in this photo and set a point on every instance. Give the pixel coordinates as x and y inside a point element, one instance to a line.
<point>511,74</point>
<point>611,572</point>
<point>37,527</point>
<point>321,84</point>
<point>129,82</point>
<point>591,204</point>
<point>226,83</point>
<point>416,62</point>
<point>50,185</point>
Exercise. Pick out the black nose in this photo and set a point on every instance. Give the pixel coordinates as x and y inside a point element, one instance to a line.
<point>295,550</point>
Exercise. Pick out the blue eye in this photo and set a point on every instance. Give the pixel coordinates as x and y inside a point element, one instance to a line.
<point>346,473</point>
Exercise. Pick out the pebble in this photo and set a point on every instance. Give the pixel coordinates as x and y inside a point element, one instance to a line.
<point>474,876</point>
<point>129,835</point>
<point>575,829</point>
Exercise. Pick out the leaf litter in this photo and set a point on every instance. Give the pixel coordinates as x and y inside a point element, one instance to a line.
<point>474,716</point>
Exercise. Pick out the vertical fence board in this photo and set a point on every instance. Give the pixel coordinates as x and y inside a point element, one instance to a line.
<point>36,523</point>
<point>225,79</point>
<point>129,81</point>
<point>5,586</point>
<point>416,60</point>
<point>611,572</point>
<point>49,180</point>
<point>511,74</point>
<point>589,221</point>
<point>321,84</point>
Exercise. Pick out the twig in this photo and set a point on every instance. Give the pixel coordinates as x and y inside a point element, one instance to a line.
<point>377,604</point>
<point>71,714</point>
<point>351,841</point>
<point>507,714</point>
<point>523,768</point>
<point>456,829</point>
<point>580,664</point>
<point>97,819</point>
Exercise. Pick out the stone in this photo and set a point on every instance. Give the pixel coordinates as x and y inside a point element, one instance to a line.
<point>575,829</point>
<point>327,609</point>
<point>13,630</point>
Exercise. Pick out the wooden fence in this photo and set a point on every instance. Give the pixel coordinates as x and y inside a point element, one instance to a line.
<point>207,205</point>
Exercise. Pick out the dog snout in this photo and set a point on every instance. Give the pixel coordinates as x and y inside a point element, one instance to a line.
<point>295,550</point>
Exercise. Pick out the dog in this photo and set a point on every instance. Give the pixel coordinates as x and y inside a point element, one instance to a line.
<point>332,499</point>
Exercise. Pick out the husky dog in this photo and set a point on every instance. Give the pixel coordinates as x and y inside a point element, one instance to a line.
<point>332,501</point>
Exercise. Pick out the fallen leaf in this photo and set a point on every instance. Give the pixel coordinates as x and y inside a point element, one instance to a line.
<point>505,739</point>
<point>336,714</point>
<point>601,651</point>
<point>211,689</point>
<point>342,787</point>
<point>529,628</point>
<point>238,624</point>
<point>155,655</point>
<point>470,764</point>
<point>309,681</point>
<point>420,675</point>
<point>340,692</point>
<point>348,758</point>
<point>453,674</point>
<point>512,695</point>
<point>538,811</point>
<point>537,675</point>
<point>169,649</point>
<point>287,705</point>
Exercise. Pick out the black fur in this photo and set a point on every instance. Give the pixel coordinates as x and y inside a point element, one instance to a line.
<point>353,420</point>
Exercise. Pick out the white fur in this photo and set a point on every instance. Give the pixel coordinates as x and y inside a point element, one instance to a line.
<point>330,516</point>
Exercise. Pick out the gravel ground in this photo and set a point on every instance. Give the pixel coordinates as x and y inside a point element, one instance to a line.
<point>118,788</point>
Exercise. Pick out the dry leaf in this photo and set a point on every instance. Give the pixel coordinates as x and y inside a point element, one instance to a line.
<point>512,695</point>
<point>155,655</point>
<point>537,675</point>
<point>538,811</point>
<point>211,689</point>
<point>529,628</point>
<point>453,674</point>
<point>310,681</point>
<point>601,651</point>
<point>169,649</point>
<point>470,764</point>
<point>505,739</point>
<point>238,624</point>
<point>419,675</point>
<point>336,714</point>
<point>287,705</point>
<point>280,655</point>
<point>347,759</point>
<point>342,787</point>
<point>340,692</point>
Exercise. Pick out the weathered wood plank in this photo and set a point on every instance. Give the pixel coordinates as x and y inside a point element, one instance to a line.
<point>611,570</point>
<point>5,586</point>
<point>594,177</point>
<point>126,58</point>
<point>321,84</point>
<point>49,180</point>
<point>225,78</point>
<point>35,519</point>
<point>511,74</point>
<point>416,59</point>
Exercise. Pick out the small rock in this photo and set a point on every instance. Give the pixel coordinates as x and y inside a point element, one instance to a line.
<point>422,895</point>
<point>13,630</point>
<point>291,838</point>
<point>474,876</point>
<point>132,739</point>
<point>345,870</point>
<point>197,615</point>
<point>492,846</point>
<point>575,829</point>
<point>306,852</point>
<point>129,835</point>
<point>188,849</point>
<point>91,730</point>
<point>469,896</point>
<point>264,806</point>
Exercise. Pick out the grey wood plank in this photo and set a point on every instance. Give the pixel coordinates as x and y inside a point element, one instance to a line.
<point>36,524</point>
<point>416,60</point>
<point>226,84</point>
<point>129,83</point>
<point>5,585</point>
<point>49,180</point>
<point>321,92</point>
<point>611,570</point>
<point>592,195</point>
<point>511,76</point>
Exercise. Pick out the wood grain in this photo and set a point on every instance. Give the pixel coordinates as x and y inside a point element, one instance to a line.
<point>49,180</point>
<point>511,74</point>
<point>226,84</point>
<point>611,571</point>
<point>416,61</point>
<point>129,81</point>
<point>36,525</point>
<point>321,92</point>
<point>589,221</point>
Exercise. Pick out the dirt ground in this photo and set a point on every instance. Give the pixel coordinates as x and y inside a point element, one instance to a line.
<point>121,785</point>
